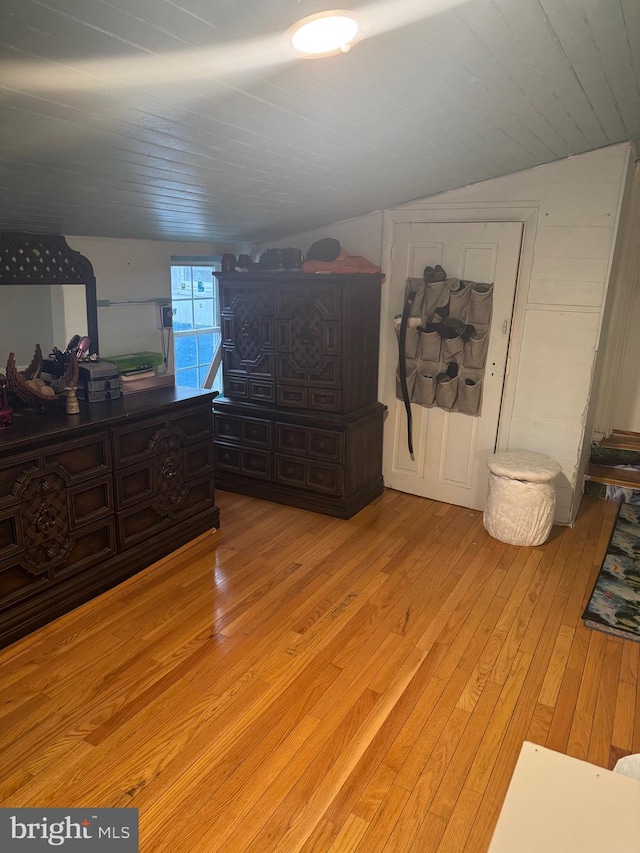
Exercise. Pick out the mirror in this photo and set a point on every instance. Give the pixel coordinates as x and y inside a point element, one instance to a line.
<point>48,295</point>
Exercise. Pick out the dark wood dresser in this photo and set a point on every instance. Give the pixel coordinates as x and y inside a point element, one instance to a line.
<point>300,422</point>
<point>88,500</point>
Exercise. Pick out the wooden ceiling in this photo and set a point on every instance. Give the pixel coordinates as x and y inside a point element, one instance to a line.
<point>185,119</point>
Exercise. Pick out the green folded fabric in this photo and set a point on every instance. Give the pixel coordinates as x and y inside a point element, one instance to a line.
<point>135,360</point>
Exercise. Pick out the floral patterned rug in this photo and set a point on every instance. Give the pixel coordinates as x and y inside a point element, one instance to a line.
<point>614,606</point>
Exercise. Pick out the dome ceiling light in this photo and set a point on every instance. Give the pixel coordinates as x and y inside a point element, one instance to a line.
<point>324,34</point>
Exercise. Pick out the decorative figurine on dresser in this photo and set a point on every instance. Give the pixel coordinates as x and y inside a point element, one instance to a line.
<point>299,422</point>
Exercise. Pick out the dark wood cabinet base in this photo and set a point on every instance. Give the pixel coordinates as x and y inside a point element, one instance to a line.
<point>340,507</point>
<point>67,594</point>
<point>323,463</point>
<point>90,499</point>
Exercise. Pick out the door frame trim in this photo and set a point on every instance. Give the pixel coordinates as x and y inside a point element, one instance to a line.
<point>467,212</point>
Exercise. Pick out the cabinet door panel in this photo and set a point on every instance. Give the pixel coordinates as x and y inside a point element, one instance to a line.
<point>259,298</point>
<point>326,375</point>
<point>327,300</point>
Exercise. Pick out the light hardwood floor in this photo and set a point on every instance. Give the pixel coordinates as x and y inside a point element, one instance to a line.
<point>296,682</point>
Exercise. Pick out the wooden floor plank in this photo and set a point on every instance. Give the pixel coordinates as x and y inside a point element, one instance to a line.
<point>313,684</point>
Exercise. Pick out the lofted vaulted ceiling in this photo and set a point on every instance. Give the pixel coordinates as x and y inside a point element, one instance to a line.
<point>185,119</point>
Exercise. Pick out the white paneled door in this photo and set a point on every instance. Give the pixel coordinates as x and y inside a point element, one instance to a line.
<point>450,448</point>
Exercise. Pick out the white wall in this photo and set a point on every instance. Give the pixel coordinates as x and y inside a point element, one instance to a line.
<point>571,209</point>
<point>359,236</point>
<point>627,414</point>
<point>133,270</point>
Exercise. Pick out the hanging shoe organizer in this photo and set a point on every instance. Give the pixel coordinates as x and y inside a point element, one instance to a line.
<point>443,337</point>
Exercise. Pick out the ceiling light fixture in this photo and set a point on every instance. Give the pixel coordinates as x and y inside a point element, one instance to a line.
<point>323,34</point>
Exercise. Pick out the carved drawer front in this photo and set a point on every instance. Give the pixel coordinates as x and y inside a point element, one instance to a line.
<point>45,519</point>
<point>89,546</point>
<point>309,442</point>
<point>324,401</point>
<point>11,470</point>
<point>255,431</point>
<point>16,582</point>
<point>81,459</point>
<point>133,443</point>
<point>10,533</point>
<point>198,459</point>
<point>292,397</point>
<point>312,475</point>
<point>227,427</point>
<point>145,520</point>
<point>77,461</point>
<point>227,457</point>
<point>194,424</point>
<point>235,388</point>
<point>262,392</point>
<point>133,484</point>
<point>255,463</point>
<point>297,397</point>
<point>257,391</point>
<point>90,501</point>
<point>244,460</point>
<point>324,478</point>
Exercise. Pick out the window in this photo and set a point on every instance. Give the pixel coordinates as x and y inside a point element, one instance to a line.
<point>196,322</point>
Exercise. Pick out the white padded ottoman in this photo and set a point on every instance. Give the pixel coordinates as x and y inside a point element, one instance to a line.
<point>522,498</point>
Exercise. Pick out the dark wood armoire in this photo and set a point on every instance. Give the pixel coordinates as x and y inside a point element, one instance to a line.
<point>300,422</point>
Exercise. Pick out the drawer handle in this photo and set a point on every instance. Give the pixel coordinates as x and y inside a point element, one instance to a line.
<point>253,463</point>
<point>227,427</point>
<point>254,432</point>
<point>322,478</point>
<point>169,471</point>
<point>290,471</point>
<point>45,520</point>
<point>322,445</point>
<point>50,553</point>
<point>226,457</point>
<point>292,439</point>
